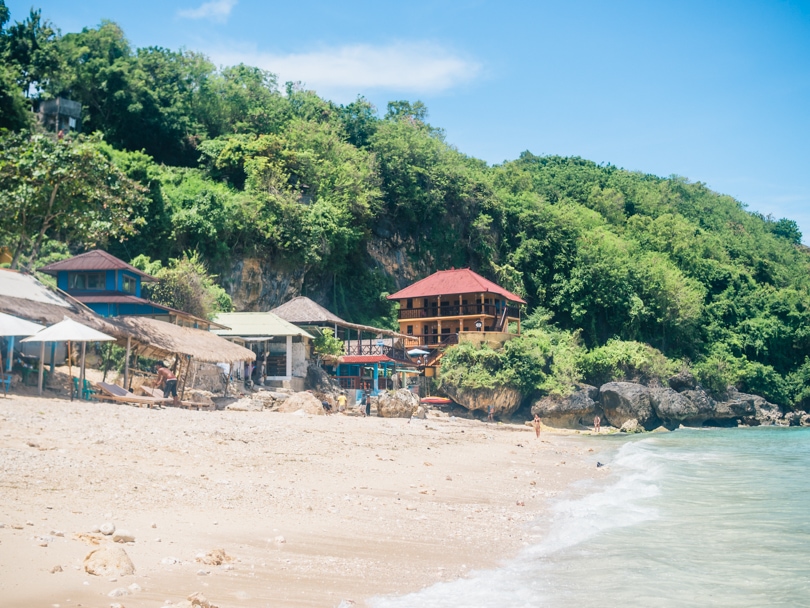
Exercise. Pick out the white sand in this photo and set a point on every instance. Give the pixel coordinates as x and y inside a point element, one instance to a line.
<point>366,506</point>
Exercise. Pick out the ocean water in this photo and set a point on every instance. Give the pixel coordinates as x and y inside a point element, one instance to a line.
<point>696,517</point>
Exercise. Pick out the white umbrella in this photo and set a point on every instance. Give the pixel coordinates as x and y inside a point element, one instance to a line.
<point>67,331</point>
<point>14,326</point>
<point>415,352</point>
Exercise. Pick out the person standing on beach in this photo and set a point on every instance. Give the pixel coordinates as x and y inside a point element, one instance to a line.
<point>491,413</point>
<point>368,404</point>
<point>341,402</point>
<point>168,381</point>
<point>597,424</point>
<point>537,424</point>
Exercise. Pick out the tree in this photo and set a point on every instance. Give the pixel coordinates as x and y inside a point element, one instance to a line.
<point>327,344</point>
<point>30,48</point>
<point>185,284</point>
<point>63,188</point>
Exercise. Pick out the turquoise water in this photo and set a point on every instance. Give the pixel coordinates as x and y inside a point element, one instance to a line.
<point>691,518</point>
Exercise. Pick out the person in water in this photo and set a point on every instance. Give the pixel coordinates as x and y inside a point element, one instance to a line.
<point>597,422</point>
<point>537,424</point>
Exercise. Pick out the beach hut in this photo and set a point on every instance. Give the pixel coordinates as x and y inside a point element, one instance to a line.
<point>145,337</point>
<point>358,339</point>
<point>282,347</point>
<point>11,326</point>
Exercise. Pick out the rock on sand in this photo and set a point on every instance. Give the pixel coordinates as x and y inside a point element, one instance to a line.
<point>307,402</point>
<point>108,561</point>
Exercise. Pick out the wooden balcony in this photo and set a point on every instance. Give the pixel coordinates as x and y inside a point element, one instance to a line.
<point>465,310</point>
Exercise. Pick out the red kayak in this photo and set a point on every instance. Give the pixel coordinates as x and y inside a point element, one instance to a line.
<point>435,400</point>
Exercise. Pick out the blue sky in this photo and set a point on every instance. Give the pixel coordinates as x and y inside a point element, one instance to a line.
<point>715,91</point>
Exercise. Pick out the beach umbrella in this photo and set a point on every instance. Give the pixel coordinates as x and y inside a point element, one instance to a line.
<point>416,352</point>
<point>67,331</point>
<point>14,326</point>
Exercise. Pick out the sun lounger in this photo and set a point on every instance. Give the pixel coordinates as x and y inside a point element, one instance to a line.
<point>111,392</point>
<point>158,394</point>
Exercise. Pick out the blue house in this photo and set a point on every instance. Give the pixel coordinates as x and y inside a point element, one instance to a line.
<point>112,288</point>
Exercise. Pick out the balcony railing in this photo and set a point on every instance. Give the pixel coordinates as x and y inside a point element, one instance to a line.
<point>437,339</point>
<point>398,354</point>
<point>489,310</point>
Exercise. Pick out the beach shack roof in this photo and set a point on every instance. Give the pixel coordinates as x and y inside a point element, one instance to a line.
<point>91,261</point>
<point>453,282</point>
<point>256,325</point>
<point>159,340</point>
<point>303,311</point>
<point>22,295</point>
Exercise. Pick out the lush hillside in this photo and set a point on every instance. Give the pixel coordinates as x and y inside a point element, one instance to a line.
<point>345,203</point>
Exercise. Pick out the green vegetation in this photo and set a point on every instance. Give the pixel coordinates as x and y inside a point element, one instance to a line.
<point>626,275</point>
<point>327,344</point>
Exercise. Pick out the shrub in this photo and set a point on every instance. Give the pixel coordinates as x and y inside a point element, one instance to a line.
<point>628,361</point>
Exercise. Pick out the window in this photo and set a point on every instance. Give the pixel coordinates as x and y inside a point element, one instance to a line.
<point>410,330</point>
<point>86,281</point>
<point>130,284</point>
<point>409,303</point>
<point>445,330</point>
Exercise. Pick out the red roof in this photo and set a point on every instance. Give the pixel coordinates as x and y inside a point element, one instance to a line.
<point>453,282</point>
<point>355,359</point>
<point>93,260</point>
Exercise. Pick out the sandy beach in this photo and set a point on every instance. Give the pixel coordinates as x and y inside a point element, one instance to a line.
<point>309,510</point>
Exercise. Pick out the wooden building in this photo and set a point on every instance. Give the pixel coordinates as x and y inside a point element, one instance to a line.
<point>112,288</point>
<point>448,303</point>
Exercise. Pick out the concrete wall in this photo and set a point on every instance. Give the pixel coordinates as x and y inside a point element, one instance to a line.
<point>299,359</point>
<point>494,339</point>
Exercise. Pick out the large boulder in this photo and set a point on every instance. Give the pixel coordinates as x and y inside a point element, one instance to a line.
<point>397,404</point>
<point>674,408</point>
<point>623,401</point>
<point>571,412</point>
<point>108,560</point>
<point>753,410</point>
<point>504,400</point>
<point>305,401</point>
<point>318,380</point>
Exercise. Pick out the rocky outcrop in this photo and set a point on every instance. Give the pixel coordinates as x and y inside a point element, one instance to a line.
<point>623,401</point>
<point>683,381</point>
<point>505,401</point>
<point>571,412</point>
<point>397,404</point>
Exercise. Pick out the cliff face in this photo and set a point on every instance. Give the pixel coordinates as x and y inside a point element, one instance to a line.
<point>395,257</point>
<point>259,285</point>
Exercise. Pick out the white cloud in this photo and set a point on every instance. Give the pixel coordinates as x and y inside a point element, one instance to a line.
<point>414,67</point>
<point>215,10</point>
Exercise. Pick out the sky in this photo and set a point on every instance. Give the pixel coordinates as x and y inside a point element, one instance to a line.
<point>716,91</point>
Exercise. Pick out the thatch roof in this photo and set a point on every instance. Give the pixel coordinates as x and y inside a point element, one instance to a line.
<point>159,340</point>
<point>303,311</point>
